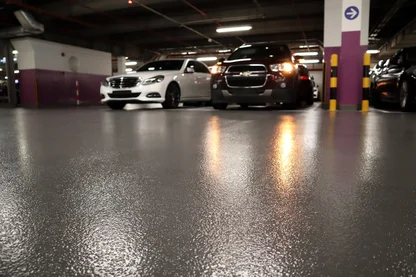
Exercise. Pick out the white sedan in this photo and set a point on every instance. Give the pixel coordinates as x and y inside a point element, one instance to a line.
<point>168,82</point>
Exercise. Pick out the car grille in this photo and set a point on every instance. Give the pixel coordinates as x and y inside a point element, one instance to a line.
<point>124,82</point>
<point>247,68</point>
<point>255,81</point>
<point>121,94</point>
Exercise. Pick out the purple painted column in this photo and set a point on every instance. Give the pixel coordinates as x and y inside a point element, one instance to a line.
<point>350,71</point>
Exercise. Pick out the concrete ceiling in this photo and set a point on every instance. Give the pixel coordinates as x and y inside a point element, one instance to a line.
<point>148,27</point>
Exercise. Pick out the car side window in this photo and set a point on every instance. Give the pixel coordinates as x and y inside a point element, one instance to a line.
<point>191,64</point>
<point>200,68</point>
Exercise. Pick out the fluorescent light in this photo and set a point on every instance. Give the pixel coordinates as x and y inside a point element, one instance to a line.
<point>224,51</point>
<point>191,53</point>
<point>131,63</point>
<point>373,51</point>
<point>131,72</point>
<point>6,77</point>
<point>16,71</point>
<point>309,61</point>
<point>184,53</point>
<point>1,69</point>
<point>308,46</point>
<point>126,58</point>
<point>129,69</point>
<point>15,59</point>
<point>234,29</point>
<point>245,46</point>
<point>206,59</point>
<point>304,54</point>
<point>15,52</point>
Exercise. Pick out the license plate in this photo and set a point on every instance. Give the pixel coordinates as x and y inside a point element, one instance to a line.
<point>115,92</point>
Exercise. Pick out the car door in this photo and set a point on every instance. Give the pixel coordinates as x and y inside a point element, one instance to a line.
<point>189,81</point>
<point>203,81</point>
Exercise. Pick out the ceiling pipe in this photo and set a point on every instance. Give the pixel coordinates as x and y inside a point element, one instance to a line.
<point>73,2</point>
<point>300,24</point>
<point>177,22</point>
<point>377,29</point>
<point>206,16</point>
<point>29,26</point>
<point>39,10</point>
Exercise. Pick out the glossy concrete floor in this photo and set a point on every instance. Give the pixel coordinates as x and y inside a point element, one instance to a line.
<point>198,192</point>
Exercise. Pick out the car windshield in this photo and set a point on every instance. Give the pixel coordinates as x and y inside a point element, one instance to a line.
<point>162,65</point>
<point>261,52</point>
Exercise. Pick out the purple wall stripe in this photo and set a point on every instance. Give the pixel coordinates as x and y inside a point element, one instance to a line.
<point>58,87</point>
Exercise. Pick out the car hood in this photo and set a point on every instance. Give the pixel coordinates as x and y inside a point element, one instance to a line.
<point>146,74</point>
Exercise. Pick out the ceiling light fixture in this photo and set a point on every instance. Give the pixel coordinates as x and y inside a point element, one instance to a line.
<point>129,69</point>
<point>309,46</point>
<point>224,51</point>
<point>206,59</point>
<point>130,2</point>
<point>304,54</point>
<point>127,58</point>
<point>15,52</point>
<point>373,51</point>
<point>234,29</point>
<point>131,63</point>
<point>309,61</point>
<point>16,71</point>
<point>191,53</point>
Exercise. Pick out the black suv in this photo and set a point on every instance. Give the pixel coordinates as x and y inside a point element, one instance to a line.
<point>260,74</point>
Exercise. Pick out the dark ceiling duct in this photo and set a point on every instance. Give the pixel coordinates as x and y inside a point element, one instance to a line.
<point>29,26</point>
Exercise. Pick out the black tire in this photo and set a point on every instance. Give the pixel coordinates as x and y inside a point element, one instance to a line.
<point>244,106</point>
<point>220,106</point>
<point>405,97</point>
<point>172,97</point>
<point>116,105</point>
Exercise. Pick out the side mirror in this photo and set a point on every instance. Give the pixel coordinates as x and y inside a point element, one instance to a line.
<point>189,70</point>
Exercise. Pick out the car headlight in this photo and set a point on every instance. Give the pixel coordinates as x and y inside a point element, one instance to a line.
<point>105,83</point>
<point>153,80</point>
<point>218,69</point>
<point>284,67</point>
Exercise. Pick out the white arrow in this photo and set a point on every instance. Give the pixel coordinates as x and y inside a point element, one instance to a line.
<point>352,13</point>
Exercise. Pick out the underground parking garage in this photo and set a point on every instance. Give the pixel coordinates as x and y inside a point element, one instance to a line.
<point>207,138</point>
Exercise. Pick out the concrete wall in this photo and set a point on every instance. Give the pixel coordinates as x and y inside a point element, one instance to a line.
<point>49,71</point>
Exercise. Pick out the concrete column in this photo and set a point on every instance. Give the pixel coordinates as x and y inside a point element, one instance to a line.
<point>346,24</point>
<point>121,65</point>
<point>354,43</point>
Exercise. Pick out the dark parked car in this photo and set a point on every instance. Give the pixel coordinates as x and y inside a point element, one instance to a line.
<point>260,74</point>
<point>396,83</point>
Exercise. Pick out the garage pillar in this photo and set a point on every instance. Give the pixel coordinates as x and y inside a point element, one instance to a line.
<point>346,26</point>
<point>121,65</point>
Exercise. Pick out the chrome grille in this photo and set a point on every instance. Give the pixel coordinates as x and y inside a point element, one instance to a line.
<point>124,82</point>
<point>252,68</point>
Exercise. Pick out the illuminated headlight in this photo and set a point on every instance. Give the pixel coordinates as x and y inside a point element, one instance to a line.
<point>153,80</point>
<point>284,67</point>
<point>218,69</point>
<point>105,83</point>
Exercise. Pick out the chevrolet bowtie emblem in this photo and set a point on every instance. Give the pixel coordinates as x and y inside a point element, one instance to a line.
<point>245,74</point>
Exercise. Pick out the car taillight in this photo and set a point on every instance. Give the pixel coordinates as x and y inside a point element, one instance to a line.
<point>304,78</point>
<point>284,67</point>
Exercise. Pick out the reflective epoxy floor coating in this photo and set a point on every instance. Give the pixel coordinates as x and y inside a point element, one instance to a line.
<point>198,192</point>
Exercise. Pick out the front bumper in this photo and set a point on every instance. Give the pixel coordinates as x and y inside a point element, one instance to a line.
<point>271,92</point>
<point>140,94</point>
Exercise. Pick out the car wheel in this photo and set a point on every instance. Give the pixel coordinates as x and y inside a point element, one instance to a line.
<point>116,105</point>
<point>244,106</point>
<point>405,97</point>
<point>220,106</point>
<point>172,97</point>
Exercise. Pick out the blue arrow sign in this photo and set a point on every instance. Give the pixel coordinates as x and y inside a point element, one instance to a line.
<point>351,12</point>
